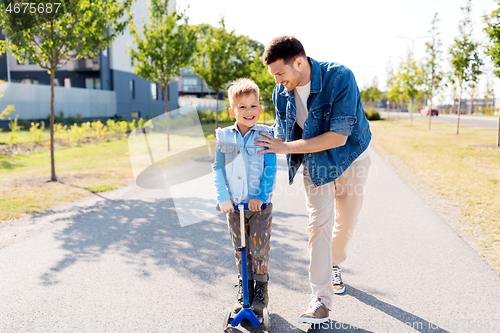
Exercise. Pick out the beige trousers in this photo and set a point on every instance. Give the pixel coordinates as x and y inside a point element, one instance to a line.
<point>333,211</point>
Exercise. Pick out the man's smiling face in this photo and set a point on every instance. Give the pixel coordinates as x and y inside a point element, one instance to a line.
<point>284,74</point>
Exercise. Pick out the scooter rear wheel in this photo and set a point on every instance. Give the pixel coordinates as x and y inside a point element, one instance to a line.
<point>265,320</point>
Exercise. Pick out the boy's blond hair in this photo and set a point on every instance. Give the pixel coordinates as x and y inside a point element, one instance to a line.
<point>242,87</point>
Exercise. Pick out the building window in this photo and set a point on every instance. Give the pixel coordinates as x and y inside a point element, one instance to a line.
<point>132,89</point>
<point>93,83</point>
<point>189,84</point>
<point>89,83</point>
<point>95,59</point>
<point>154,91</point>
<point>135,114</point>
<point>168,92</point>
<point>67,82</point>
<point>162,95</point>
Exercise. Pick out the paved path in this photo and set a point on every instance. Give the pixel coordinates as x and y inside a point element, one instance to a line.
<point>120,263</point>
<point>486,122</point>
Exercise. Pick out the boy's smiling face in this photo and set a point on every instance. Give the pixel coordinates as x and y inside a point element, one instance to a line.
<point>246,110</point>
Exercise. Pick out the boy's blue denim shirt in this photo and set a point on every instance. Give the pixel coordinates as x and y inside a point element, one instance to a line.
<point>240,173</point>
<point>334,104</point>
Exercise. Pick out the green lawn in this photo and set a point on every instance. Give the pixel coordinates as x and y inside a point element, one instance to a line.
<point>464,168</point>
<point>81,171</point>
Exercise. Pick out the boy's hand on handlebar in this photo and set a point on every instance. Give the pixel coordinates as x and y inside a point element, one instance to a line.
<point>226,206</point>
<point>254,205</point>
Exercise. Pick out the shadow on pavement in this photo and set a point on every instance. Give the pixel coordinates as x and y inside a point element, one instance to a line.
<point>406,318</point>
<point>145,229</point>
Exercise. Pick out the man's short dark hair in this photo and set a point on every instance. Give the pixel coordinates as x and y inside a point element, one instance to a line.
<point>287,48</point>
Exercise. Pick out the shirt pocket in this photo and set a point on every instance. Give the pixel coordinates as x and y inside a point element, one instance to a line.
<point>254,150</point>
<point>230,151</point>
<point>319,116</point>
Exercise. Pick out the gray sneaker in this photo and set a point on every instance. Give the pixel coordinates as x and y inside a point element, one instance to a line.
<point>338,285</point>
<point>239,296</point>
<point>317,313</point>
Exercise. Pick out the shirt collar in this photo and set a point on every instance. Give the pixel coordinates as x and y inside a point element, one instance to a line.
<point>235,128</point>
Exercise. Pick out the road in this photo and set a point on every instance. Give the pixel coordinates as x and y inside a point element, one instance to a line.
<point>120,262</point>
<point>487,122</point>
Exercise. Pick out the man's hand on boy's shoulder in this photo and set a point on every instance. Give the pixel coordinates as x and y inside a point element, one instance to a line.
<point>274,145</point>
<point>255,204</point>
<point>226,206</point>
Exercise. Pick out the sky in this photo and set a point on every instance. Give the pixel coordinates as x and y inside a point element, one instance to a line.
<point>360,34</point>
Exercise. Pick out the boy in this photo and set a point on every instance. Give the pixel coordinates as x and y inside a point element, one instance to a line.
<point>241,175</point>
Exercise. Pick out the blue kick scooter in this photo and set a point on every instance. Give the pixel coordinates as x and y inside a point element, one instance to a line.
<point>246,311</point>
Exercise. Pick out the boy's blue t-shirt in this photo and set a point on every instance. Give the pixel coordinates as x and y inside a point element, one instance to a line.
<point>262,191</point>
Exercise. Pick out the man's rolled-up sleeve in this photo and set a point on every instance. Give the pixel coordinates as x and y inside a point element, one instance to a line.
<point>345,104</point>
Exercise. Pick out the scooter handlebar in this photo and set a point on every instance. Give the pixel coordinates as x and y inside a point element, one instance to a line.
<point>245,206</point>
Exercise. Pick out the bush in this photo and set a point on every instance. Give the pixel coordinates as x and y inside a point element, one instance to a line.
<point>372,114</point>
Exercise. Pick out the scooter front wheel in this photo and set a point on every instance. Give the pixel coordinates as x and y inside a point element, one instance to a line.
<point>225,322</point>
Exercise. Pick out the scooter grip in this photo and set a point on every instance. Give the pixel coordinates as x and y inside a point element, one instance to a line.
<point>245,207</point>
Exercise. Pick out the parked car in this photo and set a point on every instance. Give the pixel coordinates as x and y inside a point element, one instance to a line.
<point>425,112</point>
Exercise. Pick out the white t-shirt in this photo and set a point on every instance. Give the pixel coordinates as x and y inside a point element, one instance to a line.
<point>301,96</point>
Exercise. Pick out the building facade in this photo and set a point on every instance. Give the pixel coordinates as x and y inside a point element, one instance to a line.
<point>477,106</point>
<point>109,70</point>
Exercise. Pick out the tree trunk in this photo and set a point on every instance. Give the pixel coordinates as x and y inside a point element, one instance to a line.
<point>217,109</point>
<point>459,109</point>
<point>411,111</point>
<point>498,139</point>
<point>165,94</point>
<point>389,110</point>
<point>53,177</point>
<point>430,112</point>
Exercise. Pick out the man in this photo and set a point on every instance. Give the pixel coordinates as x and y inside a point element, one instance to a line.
<point>320,123</point>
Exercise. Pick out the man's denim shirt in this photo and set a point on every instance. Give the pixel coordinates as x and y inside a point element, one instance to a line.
<point>240,173</point>
<point>334,104</point>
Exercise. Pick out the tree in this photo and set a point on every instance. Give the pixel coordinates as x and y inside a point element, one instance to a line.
<point>432,74</point>
<point>264,81</point>
<point>222,57</point>
<point>492,29</point>
<point>464,54</point>
<point>472,93</point>
<point>394,92</point>
<point>165,46</point>
<point>489,92</point>
<point>78,29</point>
<point>410,76</point>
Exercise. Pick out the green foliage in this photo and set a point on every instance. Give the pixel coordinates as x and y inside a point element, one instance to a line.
<point>222,56</point>
<point>432,73</point>
<point>409,79</point>
<point>372,114</point>
<point>372,93</point>
<point>262,78</point>
<point>36,131</point>
<point>14,127</point>
<point>492,30</point>
<point>464,53</point>
<point>9,108</point>
<point>84,28</point>
<point>79,119</point>
<point>165,45</point>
